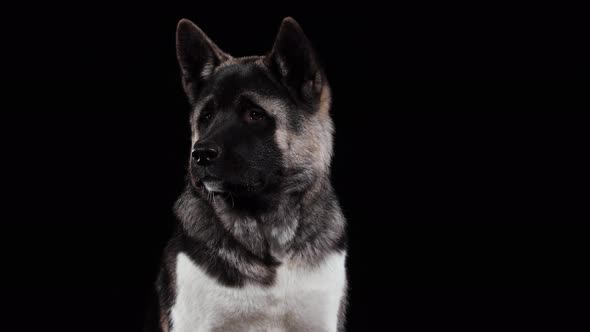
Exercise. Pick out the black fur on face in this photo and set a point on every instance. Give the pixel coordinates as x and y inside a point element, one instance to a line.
<point>231,118</point>
<point>239,104</point>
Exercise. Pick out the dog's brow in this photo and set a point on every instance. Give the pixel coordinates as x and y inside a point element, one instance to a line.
<point>272,105</point>
<point>202,104</point>
<point>247,100</point>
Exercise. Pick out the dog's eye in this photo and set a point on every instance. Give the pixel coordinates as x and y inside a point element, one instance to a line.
<point>254,115</point>
<point>205,117</point>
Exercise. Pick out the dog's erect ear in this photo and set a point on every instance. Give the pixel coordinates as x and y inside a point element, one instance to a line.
<point>197,55</point>
<point>294,59</point>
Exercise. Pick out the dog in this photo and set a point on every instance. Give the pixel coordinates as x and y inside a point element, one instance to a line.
<point>261,242</point>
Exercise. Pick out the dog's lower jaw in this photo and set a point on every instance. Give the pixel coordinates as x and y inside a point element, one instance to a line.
<point>213,186</point>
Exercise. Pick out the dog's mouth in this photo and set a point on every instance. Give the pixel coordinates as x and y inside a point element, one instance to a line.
<point>252,197</point>
<point>215,185</point>
<point>212,184</point>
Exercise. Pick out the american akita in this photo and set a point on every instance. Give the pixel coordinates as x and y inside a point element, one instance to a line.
<point>261,242</point>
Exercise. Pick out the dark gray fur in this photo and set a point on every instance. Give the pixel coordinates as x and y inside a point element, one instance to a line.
<point>300,217</point>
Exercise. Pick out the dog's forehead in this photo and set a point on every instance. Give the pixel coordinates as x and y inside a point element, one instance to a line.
<point>246,78</point>
<point>250,78</point>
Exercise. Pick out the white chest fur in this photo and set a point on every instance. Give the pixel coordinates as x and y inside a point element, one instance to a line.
<point>301,299</point>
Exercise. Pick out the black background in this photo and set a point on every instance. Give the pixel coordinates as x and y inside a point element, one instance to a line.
<point>460,149</point>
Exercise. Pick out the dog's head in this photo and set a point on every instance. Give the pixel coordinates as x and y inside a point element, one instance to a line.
<point>260,124</point>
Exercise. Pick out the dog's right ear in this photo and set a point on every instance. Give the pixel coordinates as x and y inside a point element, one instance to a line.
<point>295,60</point>
<point>197,55</point>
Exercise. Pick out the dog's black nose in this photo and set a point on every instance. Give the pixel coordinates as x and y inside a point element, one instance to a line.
<point>205,153</point>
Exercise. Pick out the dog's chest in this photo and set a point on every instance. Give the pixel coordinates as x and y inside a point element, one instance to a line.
<point>301,299</point>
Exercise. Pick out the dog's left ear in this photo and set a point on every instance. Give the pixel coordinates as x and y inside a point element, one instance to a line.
<point>197,56</point>
<point>296,62</point>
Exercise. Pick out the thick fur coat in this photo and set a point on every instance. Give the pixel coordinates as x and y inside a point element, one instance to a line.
<point>261,242</point>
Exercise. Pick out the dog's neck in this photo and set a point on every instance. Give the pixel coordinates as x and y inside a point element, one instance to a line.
<point>281,231</point>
